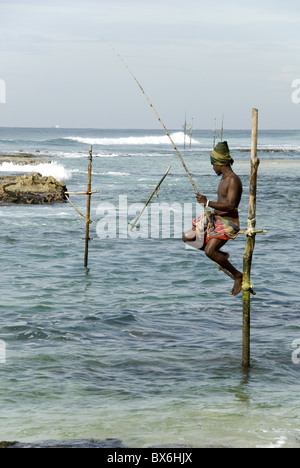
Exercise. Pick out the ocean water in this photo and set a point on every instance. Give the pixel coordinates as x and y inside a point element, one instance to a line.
<point>145,345</point>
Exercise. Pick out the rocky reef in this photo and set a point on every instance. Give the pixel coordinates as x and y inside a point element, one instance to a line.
<point>23,188</point>
<point>21,159</point>
<point>87,443</point>
<point>31,189</point>
<point>84,443</point>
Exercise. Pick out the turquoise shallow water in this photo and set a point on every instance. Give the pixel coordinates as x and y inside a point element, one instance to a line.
<point>145,345</point>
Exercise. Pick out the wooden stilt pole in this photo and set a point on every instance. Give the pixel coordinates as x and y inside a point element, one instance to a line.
<point>250,243</point>
<point>191,131</point>
<point>222,129</point>
<point>184,131</point>
<point>88,209</point>
<point>215,133</point>
<point>87,218</point>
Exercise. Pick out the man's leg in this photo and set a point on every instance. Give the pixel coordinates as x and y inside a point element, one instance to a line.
<point>212,251</point>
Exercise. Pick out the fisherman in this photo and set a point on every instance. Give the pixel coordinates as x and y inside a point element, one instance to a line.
<point>212,230</point>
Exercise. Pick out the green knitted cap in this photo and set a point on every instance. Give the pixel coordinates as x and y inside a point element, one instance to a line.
<point>221,155</point>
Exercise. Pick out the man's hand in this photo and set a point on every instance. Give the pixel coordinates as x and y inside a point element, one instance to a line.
<point>201,199</point>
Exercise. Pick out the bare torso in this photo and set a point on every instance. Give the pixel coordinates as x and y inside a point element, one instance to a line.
<point>229,193</point>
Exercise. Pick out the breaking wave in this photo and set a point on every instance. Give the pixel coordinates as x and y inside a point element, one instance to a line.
<point>177,137</point>
<point>51,169</point>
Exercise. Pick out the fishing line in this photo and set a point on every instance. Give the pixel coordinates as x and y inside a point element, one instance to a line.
<point>156,113</point>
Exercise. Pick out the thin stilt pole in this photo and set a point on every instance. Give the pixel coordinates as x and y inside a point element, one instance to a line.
<point>88,209</point>
<point>250,243</point>
<point>87,218</point>
<point>222,129</point>
<point>215,133</point>
<point>191,132</point>
<point>184,131</point>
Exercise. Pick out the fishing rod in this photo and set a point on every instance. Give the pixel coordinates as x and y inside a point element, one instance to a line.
<point>162,124</point>
<point>158,117</point>
<point>134,223</point>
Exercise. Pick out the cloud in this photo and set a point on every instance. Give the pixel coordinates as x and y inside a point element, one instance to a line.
<point>187,55</point>
<point>143,21</point>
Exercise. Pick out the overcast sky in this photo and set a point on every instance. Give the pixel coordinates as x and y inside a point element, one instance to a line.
<point>204,58</point>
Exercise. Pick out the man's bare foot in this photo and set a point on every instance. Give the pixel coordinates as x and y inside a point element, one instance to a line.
<point>237,288</point>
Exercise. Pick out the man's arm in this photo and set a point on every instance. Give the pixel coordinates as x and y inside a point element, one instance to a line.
<point>233,197</point>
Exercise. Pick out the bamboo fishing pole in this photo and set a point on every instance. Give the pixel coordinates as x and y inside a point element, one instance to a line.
<point>133,225</point>
<point>162,124</point>
<point>155,112</point>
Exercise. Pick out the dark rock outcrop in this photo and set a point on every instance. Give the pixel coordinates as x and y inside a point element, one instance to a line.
<point>21,159</point>
<point>31,189</point>
<point>108,443</point>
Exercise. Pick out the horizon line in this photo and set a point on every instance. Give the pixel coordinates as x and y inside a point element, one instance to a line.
<point>142,129</point>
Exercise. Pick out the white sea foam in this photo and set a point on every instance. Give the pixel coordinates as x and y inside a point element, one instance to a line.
<point>111,173</point>
<point>62,154</point>
<point>107,155</point>
<point>51,169</point>
<point>177,137</point>
<point>274,445</point>
<point>83,155</point>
